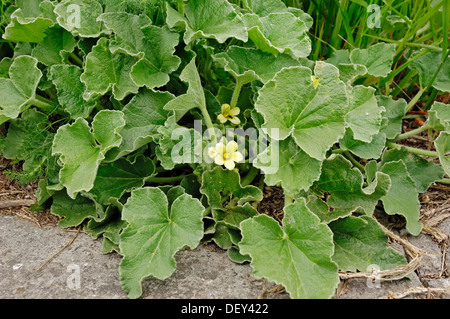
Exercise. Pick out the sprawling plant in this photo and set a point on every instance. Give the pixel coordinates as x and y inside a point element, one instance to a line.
<point>156,125</point>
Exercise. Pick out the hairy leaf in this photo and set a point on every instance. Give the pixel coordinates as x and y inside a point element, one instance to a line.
<point>279,33</point>
<point>155,232</point>
<point>377,58</point>
<point>18,91</point>
<point>345,189</point>
<point>250,64</point>
<point>123,175</point>
<point>80,17</point>
<point>144,115</point>
<point>442,144</point>
<point>427,65</point>
<point>29,140</point>
<point>56,46</point>
<point>66,79</point>
<point>81,149</point>
<point>153,46</point>
<point>313,114</point>
<point>219,184</point>
<point>105,71</point>
<point>26,29</point>
<point>360,242</point>
<point>422,171</point>
<point>296,170</point>
<point>363,115</point>
<point>194,97</point>
<point>296,254</point>
<point>439,116</point>
<point>207,19</point>
<point>402,197</point>
<point>74,211</point>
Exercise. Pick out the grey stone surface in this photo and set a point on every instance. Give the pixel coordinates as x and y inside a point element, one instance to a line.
<point>205,272</point>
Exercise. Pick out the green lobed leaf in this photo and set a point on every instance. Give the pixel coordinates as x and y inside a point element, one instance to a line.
<point>442,144</point>
<point>153,46</point>
<point>29,140</point>
<point>360,242</point>
<point>105,71</point>
<point>70,89</point>
<point>422,171</point>
<point>81,149</point>
<point>194,97</point>
<point>54,49</point>
<point>296,171</point>
<point>75,211</point>
<point>155,232</point>
<point>439,116</point>
<point>26,29</point>
<point>231,218</point>
<point>178,144</point>
<point>109,228</point>
<point>115,179</point>
<point>279,33</point>
<point>402,197</point>
<point>345,188</point>
<point>378,58</point>
<point>296,254</point>
<point>207,19</point>
<point>18,91</point>
<point>144,115</point>
<point>363,114</point>
<point>313,116</point>
<point>250,64</point>
<point>427,65</point>
<point>80,17</point>
<point>263,8</point>
<point>371,150</point>
<point>219,184</point>
<point>395,110</point>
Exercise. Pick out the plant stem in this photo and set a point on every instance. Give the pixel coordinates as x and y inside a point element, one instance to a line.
<point>354,161</point>
<point>252,173</point>
<point>413,150</point>
<point>169,179</point>
<point>413,132</point>
<point>415,99</point>
<point>207,118</point>
<point>444,181</point>
<point>76,59</point>
<point>41,102</point>
<point>236,93</point>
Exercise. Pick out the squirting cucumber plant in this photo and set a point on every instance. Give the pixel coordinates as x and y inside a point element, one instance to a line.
<point>156,125</point>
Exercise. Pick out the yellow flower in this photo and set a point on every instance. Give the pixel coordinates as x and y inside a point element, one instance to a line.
<point>229,114</point>
<point>225,154</point>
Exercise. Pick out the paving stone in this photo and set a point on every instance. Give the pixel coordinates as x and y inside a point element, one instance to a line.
<point>82,271</point>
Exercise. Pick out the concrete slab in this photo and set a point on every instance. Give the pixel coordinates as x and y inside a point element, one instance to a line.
<point>81,271</point>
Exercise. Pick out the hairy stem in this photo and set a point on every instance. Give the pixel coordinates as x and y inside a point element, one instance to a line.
<point>444,181</point>
<point>251,175</point>
<point>412,133</point>
<point>236,93</point>
<point>415,99</point>
<point>413,150</point>
<point>354,161</point>
<point>76,59</point>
